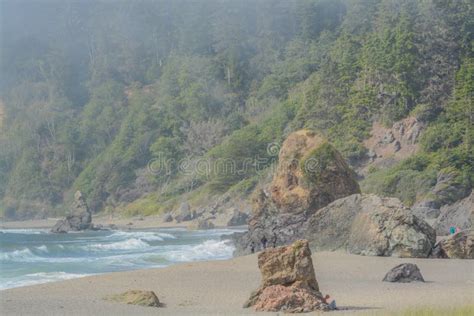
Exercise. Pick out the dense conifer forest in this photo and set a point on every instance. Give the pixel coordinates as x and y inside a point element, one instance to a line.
<point>92,93</point>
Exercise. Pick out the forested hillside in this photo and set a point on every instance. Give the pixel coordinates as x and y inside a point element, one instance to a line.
<point>94,94</point>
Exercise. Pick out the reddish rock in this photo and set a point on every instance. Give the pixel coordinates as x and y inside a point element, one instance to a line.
<point>288,281</point>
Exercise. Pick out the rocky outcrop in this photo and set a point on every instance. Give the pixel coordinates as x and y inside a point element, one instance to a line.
<point>388,146</point>
<point>137,297</point>
<point>449,189</point>
<point>184,213</point>
<point>167,218</point>
<point>288,281</point>
<point>404,273</point>
<point>238,218</point>
<point>201,223</point>
<point>310,175</point>
<point>457,246</point>
<point>459,214</point>
<point>366,224</point>
<point>80,217</point>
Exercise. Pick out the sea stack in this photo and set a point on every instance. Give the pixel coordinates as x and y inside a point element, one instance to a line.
<point>80,217</point>
<point>311,173</point>
<point>288,281</point>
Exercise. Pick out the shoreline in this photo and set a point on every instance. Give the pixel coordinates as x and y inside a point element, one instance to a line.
<point>221,287</point>
<point>148,222</point>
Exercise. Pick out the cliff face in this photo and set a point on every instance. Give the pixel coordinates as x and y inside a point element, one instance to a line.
<point>310,175</point>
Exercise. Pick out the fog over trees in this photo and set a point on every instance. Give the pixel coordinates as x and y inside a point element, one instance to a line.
<point>92,91</point>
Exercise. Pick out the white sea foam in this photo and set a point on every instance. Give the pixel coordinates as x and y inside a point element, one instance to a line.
<point>38,278</point>
<point>24,231</point>
<point>210,249</point>
<point>128,244</point>
<point>150,236</point>
<point>42,248</point>
<point>17,255</point>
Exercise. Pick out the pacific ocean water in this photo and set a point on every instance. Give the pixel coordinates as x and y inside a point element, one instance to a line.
<point>33,256</point>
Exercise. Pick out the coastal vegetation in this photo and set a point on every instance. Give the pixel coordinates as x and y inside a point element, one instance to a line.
<point>110,98</point>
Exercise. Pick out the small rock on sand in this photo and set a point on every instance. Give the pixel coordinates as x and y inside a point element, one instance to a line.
<point>137,297</point>
<point>404,273</point>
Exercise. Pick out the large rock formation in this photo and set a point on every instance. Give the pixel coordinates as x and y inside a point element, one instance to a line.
<point>457,246</point>
<point>310,175</point>
<point>80,217</point>
<point>459,214</point>
<point>288,281</point>
<point>370,225</point>
<point>404,273</point>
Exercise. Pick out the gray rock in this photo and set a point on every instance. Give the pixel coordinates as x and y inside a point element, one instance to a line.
<point>202,224</point>
<point>366,224</point>
<point>167,218</point>
<point>459,214</point>
<point>404,273</point>
<point>79,219</point>
<point>184,213</point>
<point>449,189</point>
<point>238,218</point>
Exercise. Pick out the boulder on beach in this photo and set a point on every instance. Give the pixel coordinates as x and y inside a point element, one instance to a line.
<point>288,281</point>
<point>366,224</point>
<point>404,273</point>
<point>457,246</point>
<point>311,173</point>
<point>137,297</point>
<point>80,217</point>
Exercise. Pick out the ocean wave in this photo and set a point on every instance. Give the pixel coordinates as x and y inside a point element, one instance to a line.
<point>27,255</point>
<point>210,249</point>
<point>149,236</point>
<point>24,231</point>
<point>20,254</point>
<point>38,278</point>
<point>129,244</point>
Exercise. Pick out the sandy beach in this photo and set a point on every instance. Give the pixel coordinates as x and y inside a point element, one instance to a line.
<point>221,287</point>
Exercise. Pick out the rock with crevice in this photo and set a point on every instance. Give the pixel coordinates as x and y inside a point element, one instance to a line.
<point>288,281</point>
<point>404,273</point>
<point>80,217</point>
